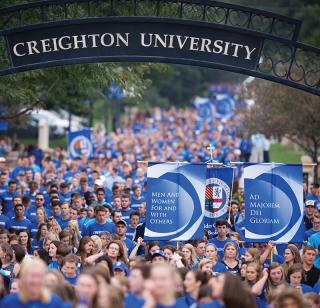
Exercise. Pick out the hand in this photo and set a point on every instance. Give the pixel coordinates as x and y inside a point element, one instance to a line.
<point>265,272</point>
<point>270,245</point>
<point>176,257</point>
<point>139,240</point>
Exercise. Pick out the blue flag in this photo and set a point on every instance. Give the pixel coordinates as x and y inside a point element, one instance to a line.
<point>175,203</point>
<point>273,203</point>
<point>80,144</point>
<point>205,109</point>
<point>217,196</point>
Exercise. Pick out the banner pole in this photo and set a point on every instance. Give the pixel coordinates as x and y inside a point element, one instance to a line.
<point>271,255</point>
<point>231,193</point>
<point>242,163</point>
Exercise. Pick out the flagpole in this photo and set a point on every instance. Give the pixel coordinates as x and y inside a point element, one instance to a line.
<point>231,192</point>
<point>179,162</point>
<point>242,163</point>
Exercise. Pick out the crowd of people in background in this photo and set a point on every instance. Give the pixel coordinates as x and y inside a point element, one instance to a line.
<point>71,231</point>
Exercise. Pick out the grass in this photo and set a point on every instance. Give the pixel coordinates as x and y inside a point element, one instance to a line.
<point>285,154</point>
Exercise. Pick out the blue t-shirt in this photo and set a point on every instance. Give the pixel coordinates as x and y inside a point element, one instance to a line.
<point>316,288</point>
<point>4,221</point>
<point>308,233</point>
<point>219,268</point>
<point>24,224</point>
<point>180,303</point>
<point>213,304</point>
<point>132,301</point>
<point>6,198</point>
<point>187,299</point>
<point>12,300</point>
<point>96,229</point>
<point>130,232</point>
<point>135,203</point>
<point>72,280</point>
<point>126,215</point>
<point>64,222</point>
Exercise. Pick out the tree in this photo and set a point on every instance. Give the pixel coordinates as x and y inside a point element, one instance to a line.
<point>283,111</point>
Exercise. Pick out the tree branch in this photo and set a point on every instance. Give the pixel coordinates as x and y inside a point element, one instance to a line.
<point>29,108</point>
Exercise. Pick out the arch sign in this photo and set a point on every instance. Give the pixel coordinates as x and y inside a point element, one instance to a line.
<point>204,33</point>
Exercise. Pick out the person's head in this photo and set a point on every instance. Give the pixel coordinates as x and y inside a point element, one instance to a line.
<point>163,279</point>
<point>16,200</point>
<point>4,236</point>
<point>295,274</point>
<point>85,246</point>
<point>315,187</point>
<point>116,216</point>
<point>158,257</point>
<point>65,237</point>
<point>87,288</point>
<point>39,200</point>
<point>252,255</point>
<point>222,228</point>
<point>121,228</point>
<point>55,207</point>
<point>40,215</point>
<point>74,213</point>
<point>134,219</point>
<point>194,280</point>
<point>276,274</point>
<point>31,282</point>
<point>152,247</point>
<point>138,275</point>
<point>136,188</point>
<point>53,246</point>
<point>83,184</point>
<point>101,214</point>
<point>106,238</point>
<point>291,254</point>
<point>206,266</point>
<point>115,250</point>
<point>309,255</point>
<point>90,211</point>
<point>117,202</point>
<point>211,252</point>
<point>316,222</point>
<point>120,269</point>
<point>143,209</point>
<point>53,277</point>
<point>230,251</point>
<point>24,238</point>
<point>65,209</point>
<point>70,265</point>
<point>14,286</point>
<point>42,254</point>
<point>19,211</point>
<point>189,253</point>
<point>97,244</point>
<point>100,195</point>
<point>168,252</point>
<point>289,298</point>
<point>111,295</point>
<point>12,185</point>
<point>312,299</point>
<point>6,253</point>
<point>253,272</point>
<point>125,202</point>
<point>310,207</point>
<point>200,248</point>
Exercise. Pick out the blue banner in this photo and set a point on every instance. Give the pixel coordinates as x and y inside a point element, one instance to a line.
<point>80,144</point>
<point>175,201</point>
<point>273,203</point>
<point>218,192</point>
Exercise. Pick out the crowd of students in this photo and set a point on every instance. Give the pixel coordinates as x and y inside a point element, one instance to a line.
<point>71,232</point>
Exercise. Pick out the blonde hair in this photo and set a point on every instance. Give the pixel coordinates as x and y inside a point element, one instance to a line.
<point>26,265</point>
<point>193,258</point>
<point>51,236</point>
<point>205,262</point>
<point>73,224</point>
<point>97,241</point>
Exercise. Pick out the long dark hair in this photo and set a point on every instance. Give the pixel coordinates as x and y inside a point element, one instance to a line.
<point>81,252</point>
<point>235,295</point>
<point>29,245</point>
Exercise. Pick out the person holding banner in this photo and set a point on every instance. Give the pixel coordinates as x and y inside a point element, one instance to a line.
<point>221,240</point>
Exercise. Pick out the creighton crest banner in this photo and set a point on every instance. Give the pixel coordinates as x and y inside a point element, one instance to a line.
<point>175,201</point>
<point>217,196</point>
<point>80,144</point>
<point>273,203</point>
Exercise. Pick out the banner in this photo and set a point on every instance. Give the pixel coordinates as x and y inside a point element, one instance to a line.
<point>205,109</point>
<point>175,201</point>
<point>80,144</point>
<point>217,196</point>
<point>273,203</point>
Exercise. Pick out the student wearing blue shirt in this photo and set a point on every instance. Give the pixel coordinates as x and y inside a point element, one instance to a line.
<point>7,197</point>
<point>3,182</point>
<point>136,199</point>
<point>70,268</point>
<point>55,210</point>
<point>315,220</point>
<point>101,224</point>
<point>125,208</point>
<point>221,240</point>
<point>31,212</point>
<point>32,291</point>
<point>65,194</point>
<point>65,215</point>
<point>19,222</point>
<point>295,274</point>
<point>137,278</point>
<point>142,212</point>
<point>134,221</point>
<point>121,229</point>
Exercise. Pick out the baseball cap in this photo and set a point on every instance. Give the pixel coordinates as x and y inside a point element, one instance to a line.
<point>98,182</point>
<point>2,159</point>
<point>311,203</point>
<point>158,253</point>
<point>122,222</point>
<point>121,266</point>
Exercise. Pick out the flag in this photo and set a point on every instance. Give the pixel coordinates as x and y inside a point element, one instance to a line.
<point>218,193</point>
<point>273,196</point>
<point>175,201</point>
<point>80,144</point>
<point>205,108</point>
